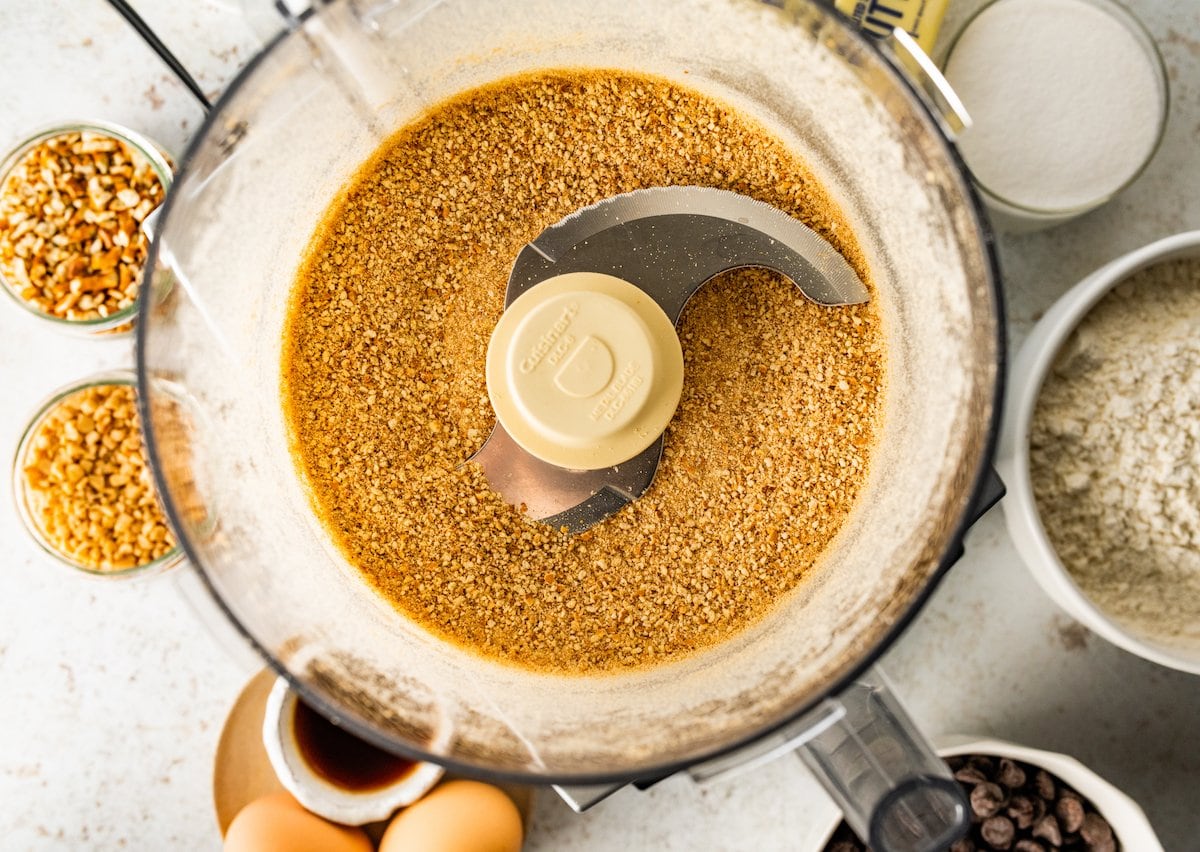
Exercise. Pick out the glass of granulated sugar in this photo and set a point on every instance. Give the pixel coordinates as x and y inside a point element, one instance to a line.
<point>1068,101</point>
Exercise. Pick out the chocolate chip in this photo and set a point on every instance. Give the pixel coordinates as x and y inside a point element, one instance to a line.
<point>970,775</point>
<point>1009,774</point>
<point>1097,833</point>
<point>998,832</point>
<point>1022,811</point>
<point>1069,810</point>
<point>966,844</point>
<point>1043,782</point>
<point>1047,829</point>
<point>1027,845</point>
<point>987,799</point>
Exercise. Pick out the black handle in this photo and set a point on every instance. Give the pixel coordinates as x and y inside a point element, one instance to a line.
<point>155,43</point>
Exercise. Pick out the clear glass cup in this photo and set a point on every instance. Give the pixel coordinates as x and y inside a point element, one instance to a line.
<point>121,322</point>
<point>22,496</point>
<point>1018,217</point>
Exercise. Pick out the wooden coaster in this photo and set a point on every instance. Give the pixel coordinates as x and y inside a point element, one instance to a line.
<point>242,771</point>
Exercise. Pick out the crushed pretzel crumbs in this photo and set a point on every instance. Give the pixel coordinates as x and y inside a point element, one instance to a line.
<point>383,381</point>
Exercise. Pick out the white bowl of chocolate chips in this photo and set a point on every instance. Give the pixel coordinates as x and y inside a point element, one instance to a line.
<point>1028,800</point>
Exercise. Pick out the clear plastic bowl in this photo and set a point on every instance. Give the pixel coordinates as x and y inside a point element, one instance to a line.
<point>280,147</point>
<point>21,495</point>
<point>121,321</point>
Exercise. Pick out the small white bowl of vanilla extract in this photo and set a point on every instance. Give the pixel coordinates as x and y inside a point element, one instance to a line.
<point>331,771</point>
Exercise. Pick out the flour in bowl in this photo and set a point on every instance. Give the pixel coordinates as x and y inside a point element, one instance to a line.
<point>1115,454</point>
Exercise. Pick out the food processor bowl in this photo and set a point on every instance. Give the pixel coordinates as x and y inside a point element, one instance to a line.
<point>281,144</point>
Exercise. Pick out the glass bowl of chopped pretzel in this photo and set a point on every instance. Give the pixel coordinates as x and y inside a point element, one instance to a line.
<point>73,200</point>
<point>1100,450</point>
<point>82,485</point>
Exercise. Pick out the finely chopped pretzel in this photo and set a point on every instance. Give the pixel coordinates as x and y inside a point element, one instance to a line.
<point>70,216</point>
<point>383,379</point>
<point>87,485</point>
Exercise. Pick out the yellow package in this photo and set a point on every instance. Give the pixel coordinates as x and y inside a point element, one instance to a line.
<point>920,18</point>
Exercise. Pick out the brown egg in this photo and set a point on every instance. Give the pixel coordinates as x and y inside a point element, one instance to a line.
<point>277,823</point>
<point>458,816</point>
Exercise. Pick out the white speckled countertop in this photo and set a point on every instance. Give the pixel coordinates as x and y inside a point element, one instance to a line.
<point>112,695</point>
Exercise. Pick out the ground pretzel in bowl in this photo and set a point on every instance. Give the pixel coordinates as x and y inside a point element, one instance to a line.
<point>385,389</point>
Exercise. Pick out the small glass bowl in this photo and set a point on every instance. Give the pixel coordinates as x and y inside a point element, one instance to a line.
<point>21,495</point>
<point>1015,217</point>
<point>121,322</point>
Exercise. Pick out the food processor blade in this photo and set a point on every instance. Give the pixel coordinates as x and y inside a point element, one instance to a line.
<point>671,240</point>
<point>668,241</point>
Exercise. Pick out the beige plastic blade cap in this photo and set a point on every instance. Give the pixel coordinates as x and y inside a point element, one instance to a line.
<point>584,370</point>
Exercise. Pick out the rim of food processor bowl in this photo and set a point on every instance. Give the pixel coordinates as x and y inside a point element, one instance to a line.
<point>949,556</point>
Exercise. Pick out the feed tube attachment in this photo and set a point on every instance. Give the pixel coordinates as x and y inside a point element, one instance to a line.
<point>893,789</point>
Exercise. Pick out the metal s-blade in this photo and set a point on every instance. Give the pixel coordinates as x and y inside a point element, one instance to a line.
<point>574,499</point>
<point>671,240</point>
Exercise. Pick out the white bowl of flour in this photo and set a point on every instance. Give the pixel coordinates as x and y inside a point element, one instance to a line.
<point>1100,450</point>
